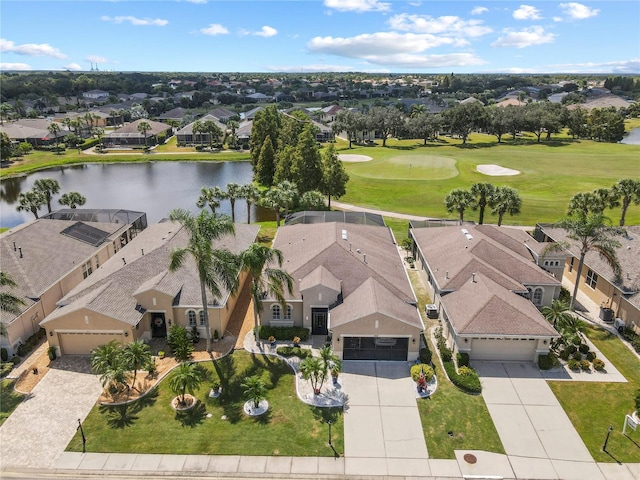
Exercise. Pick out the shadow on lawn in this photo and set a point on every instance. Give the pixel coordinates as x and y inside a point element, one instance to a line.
<point>121,416</point>
<point>193,416</point>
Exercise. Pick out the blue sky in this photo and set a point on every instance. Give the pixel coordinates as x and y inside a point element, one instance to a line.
<point>420,36</point>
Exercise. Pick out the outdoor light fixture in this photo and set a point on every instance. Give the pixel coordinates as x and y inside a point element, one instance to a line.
<point>544,342</point>
<point>169,322</point>
<point>338,339</point>
<point>126,334</point>
<point>413,340</point>
<point>51,333</point>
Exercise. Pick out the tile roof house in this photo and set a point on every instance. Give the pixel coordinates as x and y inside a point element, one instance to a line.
<point>488,283</point>
<point>185,135</point>
<point>128,135</point>
<point>32,130</point>
<point>618,298</point>
<point>349,283</point>
<point>45,271</point>
<point>135,296</point>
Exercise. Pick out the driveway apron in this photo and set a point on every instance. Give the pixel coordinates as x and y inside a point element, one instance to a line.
<point>39,429</point>
<point>381,420</point>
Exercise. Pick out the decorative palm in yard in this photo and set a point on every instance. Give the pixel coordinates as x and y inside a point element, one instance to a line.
<point>47,187</point>
<point>186,378</point>
<point>459,200</point>
<point>217,268</point>
<point>557,314</point>
<point>255,390</point>
<point>251,194</point>
<point>107,361</point>
<point>8,301</point>
<point>313,369</point>
<point>136,356</point>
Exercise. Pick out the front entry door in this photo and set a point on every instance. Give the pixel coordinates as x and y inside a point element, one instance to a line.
<point>158,325</point>
<point>319,317</point>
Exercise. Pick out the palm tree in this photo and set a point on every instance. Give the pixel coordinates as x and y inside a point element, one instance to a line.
<point>186,378</point>
<point>9,302</point>
<point>5,111</point>
<point>582,203</point>
<point>505,200</point>
<point>459,200</point>
<point>259,260</point>
<point>234,191</point>
<point>417,109</point>
<point>210,127</point>
<point>54,129</point>
<point>254,390</point>
<point>31,201</point>
<point>216,267</point>
<point>557,314</point>
<point>136,355</point>
<point>312,200</point>
<point>144,127</point>
<point>106,361</point>
<point>210,196</point>
<point>47,187</point>
<point>591,233</point>
<point>99,134</point>
<point>330,361</point>
<point>251,194</point>
<point>72,199</point>
<point>197,128</point>
<point>312,369</point>
<point>627,190</point>
<point>482,193</point>
<point>232,125</point>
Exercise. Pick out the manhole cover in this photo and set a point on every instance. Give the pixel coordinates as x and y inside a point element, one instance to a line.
<point>469,458</point>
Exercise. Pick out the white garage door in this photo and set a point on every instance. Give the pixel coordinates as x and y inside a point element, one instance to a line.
<point>83,343</point>
<point>503,350</point>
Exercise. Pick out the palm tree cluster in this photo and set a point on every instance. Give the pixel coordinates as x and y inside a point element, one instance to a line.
<point>316,369</point>
<point>42,194</point>
<point>622,194</point>
<point>114,363</point>
<point>501,200</point>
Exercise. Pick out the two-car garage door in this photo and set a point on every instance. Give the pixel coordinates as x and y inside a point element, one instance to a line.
<point>521,350</point>
<point>375,348</point>
<point>83,343</point>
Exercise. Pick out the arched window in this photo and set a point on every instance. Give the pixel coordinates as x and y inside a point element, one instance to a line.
<point>287,313</point>
<point>201,315</point>
<point>192,318</point>
<point>537,296</point>
<point>276,312</point>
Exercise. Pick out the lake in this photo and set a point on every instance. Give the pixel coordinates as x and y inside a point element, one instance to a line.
<point>632,138</point>
<point>152,187</point>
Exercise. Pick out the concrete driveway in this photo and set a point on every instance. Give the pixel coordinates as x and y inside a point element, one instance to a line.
<point>382,430</point>
<point>39,429</point>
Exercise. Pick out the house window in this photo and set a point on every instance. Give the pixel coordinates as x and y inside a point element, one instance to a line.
<point>287,313</point>
<point>276,312</point>
<point>592,279</point>
<point>192,318</point>
<point>86,269</point>
<point>537,296</point>
<point>202,321</point>
<point>571,265</point>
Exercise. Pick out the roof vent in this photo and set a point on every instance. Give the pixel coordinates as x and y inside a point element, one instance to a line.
<point>124,261</point>
<point>344,234</point>
<point>446,275</point>
<point>473,277</point>
<point>364,258</point>
<point>465,231</point>
<point>469,236</point>
<point>20,250</point>
<point>357,250</point>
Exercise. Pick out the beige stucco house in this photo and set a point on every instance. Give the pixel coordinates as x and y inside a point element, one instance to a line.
<point>135,296</point>
<point>488,286</point>
<point>50,256</point>
<point>350,284</point>
<point>597,281</point>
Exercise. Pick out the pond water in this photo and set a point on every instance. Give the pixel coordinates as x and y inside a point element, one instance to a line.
<point>154,187</point>
<point>632,138</point>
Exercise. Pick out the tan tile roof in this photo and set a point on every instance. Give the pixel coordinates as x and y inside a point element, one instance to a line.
<point>482,307</point>
<point>320,276</point>
<point>118,282</point>
<point>132,128</point>
<point>371,298</point>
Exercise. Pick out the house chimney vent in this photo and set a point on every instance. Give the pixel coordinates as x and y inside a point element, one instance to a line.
<point>364,258</point>
<point>446,274</point>
<point>473,277</point>
<point>124,261</point>
<point>142,250</point>
<point>20,250</point>
<point>14,246</point>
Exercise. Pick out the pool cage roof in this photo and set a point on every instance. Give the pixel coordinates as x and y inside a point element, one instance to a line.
<point>362,218</point>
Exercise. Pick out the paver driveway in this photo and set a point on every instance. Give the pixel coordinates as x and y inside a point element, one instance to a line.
<point>40,428</point>
<point>382,428</point>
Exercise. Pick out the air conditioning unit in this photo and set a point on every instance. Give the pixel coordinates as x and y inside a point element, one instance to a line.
<point>619,325</point>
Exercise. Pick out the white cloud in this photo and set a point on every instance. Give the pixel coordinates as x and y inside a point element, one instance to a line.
<point>266,31</point>
<point>427,61</point>
<point>358,5</point>
<point>309,68</point>
<point>479,10</point>
<point>214,29</point>
<point>526,12</point>
<point>445,25</point>
<point>96,59</point>
<point>524,38</point>
<point>621,66</point>
<point>14,66</point>
<point>557,19</point>
<point>578,11</point>
<point>30,49</point>
<point>156,22</point>
<point>72,66</point>
<point>196,1</point>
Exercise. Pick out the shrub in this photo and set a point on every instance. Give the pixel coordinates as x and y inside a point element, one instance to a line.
<point>573,364</point>
<point>425,356</point>
<point>565,295</point>
<point>571,349</point>
<point>636,345</point>
<point>583,348</point>
<point>421,367</point>
<point>577,356</point>
<point>591,356</point>
<point>15,360</point>
<point>462,359</point>
<point>585,365</point>
<point>465,371</point>
<point>446,354</point>
<point>5,369</point>
<point>468,383</point>
<point>284,332</point>
<point>637,400</point>
<point>598,364</point>
<point>564,355</point>
<point>545,362</point>
<point>90,142</point>
<point>4,354</point>
<point>294,352</point>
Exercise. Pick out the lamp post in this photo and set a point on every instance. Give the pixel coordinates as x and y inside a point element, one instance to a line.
<point>329,422</point>
<point>84,440</point>
<point>606,440</point>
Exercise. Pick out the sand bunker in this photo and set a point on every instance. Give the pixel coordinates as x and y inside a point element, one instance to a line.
<point>496,170</point>
<point>349,157</point>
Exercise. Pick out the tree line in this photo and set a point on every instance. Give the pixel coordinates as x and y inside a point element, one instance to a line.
<point>501,200</point>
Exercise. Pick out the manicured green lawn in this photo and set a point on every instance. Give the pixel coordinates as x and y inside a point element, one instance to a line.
<point>451,410</point>
<point>593,407</point>
<point>9,399</point>
<point>150,425</point>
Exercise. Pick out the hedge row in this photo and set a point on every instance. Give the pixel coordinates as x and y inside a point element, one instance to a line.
<point>284,333</point>
<point>26,347</point>
<point>294,352</point>
<point>469,383</point>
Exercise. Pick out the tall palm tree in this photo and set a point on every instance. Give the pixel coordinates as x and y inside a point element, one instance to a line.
<point>210,196</point>
<point>582,203</point>
<point>8,301</point>
<point>47,187</point>
<point>217,268</point>
<point>197,129</point>
<point>136,355</point>
<point>314,370</point>
<point>557,314</point>
<point>505,200</point>
<point>459,200</point>
<point>106,361</point>
<point>232,125</point>
<point>144,127</point>
<point>590,233</point>
<point>482,193</point>
<point>54,129</point>
<point>186,378</point>
<point>210,127</point>
<point>31,201</point>
<point>72,199</point>
<point>251,194</point>
<point>255,389</point>
<point>234,191</point>
<point>267,278</point>
<point>627,190</point>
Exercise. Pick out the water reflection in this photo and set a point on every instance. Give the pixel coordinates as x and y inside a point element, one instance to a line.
<point>154,187</point>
